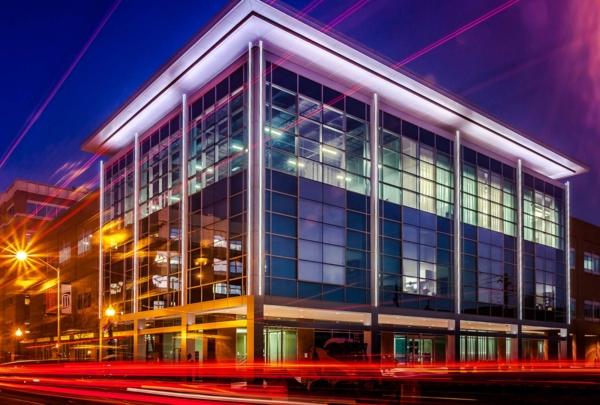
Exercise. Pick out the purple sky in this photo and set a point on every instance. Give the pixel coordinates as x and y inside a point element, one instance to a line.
<point>534,66</point>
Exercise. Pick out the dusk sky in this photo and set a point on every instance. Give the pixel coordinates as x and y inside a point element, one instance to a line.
<point>534,66</point>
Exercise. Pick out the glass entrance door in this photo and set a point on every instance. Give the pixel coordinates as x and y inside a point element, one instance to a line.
<point>280,345</point>
<point>413,349</point>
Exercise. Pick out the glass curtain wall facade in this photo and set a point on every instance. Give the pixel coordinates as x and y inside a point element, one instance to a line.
<point>416,212</point>
<point>160,220</point>
<point>118,233</point>
<point>217,188</point>
<point>544,274</point>
<point>317,191</point>
<point>489,230</point>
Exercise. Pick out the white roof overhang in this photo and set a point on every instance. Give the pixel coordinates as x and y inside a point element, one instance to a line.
<point>282,34</point>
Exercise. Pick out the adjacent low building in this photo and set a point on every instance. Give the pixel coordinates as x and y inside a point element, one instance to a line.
<point>26,209</point>
<point>585,291</point>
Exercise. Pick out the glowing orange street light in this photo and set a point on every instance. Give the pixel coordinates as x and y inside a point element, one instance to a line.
<point>19,333</point>
<point>110,311</point>
<point>21,255</point>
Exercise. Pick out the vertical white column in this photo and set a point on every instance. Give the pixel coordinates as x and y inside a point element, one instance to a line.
<point>100,241</point>
<point>261,166</point>
<point>568,247</point>
<point>183,206</point>
<point>257,168</point>
<point>457,224</point>
<point>520,239</point>
<point>374,134</point>
<point>136,219</point>
<point>250,181</point>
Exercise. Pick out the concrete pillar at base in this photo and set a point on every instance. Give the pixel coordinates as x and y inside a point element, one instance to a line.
<point>188,344</point>
<point>139,342</point>
<point>255,350</point>
<point>387,347</point>
<point>374,336</point>
<point>520,342</point>
<point>456,340</point>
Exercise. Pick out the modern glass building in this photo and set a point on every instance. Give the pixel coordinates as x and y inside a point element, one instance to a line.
<point>273,188</point>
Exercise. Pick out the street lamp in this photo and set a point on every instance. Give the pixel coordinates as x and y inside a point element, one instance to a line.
<point>23,256</point>
<point>18,333</point>
<point>110,311</point>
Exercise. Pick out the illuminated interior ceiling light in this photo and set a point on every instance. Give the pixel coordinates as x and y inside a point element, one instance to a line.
<point>341,177</point>
<point>236,146</point>
<point>235,169</point>
<point>175,198</point>
<point>328,150</point>
<point>210,170</point>
<point>294,163</point>
<point>273,131</point>
<point>199,167</point>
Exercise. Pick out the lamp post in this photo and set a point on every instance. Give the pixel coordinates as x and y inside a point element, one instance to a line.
<point>23,256</point>
<point>110,312</point>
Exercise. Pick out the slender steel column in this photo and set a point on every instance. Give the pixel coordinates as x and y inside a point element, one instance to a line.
<point>374,200</point>
<point>183,206</point>
<point>100,242</point>
<point>520,238</point>
<point>257,167</point>
<point>568,246</point>
<point>250,178</point>
<point>136,219</point>
<point>457,223</point>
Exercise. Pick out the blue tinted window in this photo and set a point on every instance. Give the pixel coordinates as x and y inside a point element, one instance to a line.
<point>356,295</point>
<point>310,230</point>
<point>357,240</point>
<point>391,229</point>
<point>443,258</point>
<point>281,246</point>
<point>310,251</point>
<point>469,262</point>
<point>284,204</point>
<point>333,234</point>
<point>356,202</point>
<point>470,247</point>
<point>444,241</point>
<point>391,211</point>
<point>392,247</point>
<point>334,215</point>
<point>283,288</point>
<point>355,258</point>
<point>410,250</point>
<point>428,220</point>
<point>390,265</point>
<point>333,293</point>
<point>411,216</point>
<point>283,225</point>
<point>357,221</point>
<point>284,183</point>
<point>410,233</point>
<point>283,267</point>
<point>311,210</point>
<point>444,225</point>
<point>311,189</point>
<point>310,290</point>
<point>334,195</point>
<point>355,278</point>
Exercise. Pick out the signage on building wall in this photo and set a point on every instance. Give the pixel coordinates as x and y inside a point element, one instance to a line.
<point>66,301</point>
